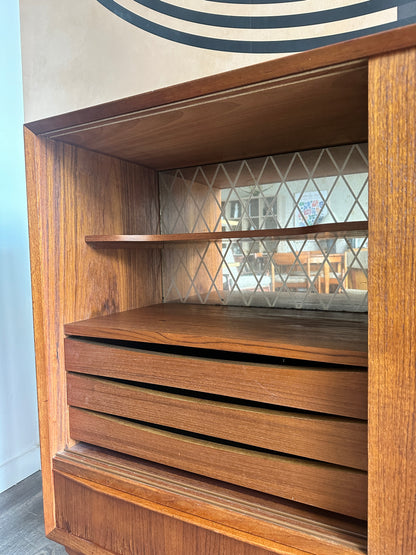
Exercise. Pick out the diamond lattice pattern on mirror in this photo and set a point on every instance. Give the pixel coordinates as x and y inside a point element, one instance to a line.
<point>291,190</point>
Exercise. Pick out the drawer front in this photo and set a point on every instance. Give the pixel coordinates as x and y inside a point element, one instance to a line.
<point>330,390</point>
<point>288,430</point>
<point>325,486</point>
<point>336,440</point>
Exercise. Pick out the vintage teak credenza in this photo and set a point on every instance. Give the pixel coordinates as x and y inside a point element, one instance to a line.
<point>202,349</point>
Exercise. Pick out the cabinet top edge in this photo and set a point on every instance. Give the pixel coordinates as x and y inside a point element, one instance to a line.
<point>358,50</point>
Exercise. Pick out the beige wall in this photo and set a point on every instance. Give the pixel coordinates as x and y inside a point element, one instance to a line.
<point>76,53</point>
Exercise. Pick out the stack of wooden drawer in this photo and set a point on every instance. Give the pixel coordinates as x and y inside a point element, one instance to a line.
<point>292,429</point>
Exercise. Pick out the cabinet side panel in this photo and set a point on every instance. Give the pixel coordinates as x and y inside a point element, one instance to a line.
<point>71,193</point>
<point>392,314</point>
<point>36,174</point>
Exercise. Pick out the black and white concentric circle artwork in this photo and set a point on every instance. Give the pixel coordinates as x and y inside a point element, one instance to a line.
<point>262,26</point>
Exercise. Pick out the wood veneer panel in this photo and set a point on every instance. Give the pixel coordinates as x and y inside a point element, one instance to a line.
<point>329,390</point>
<point>333,440</point>
<point>51,437</point>
<point>122,523</point>
<point>72,192</point>
<point>339,53</point>
<point>217,504</point>
<point>306,335</point>
<point>321,485</point>
<point>392,304</point>
<point>76,545</point>
<point>323,230</point>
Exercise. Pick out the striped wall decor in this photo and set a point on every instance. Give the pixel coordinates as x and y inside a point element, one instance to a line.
<point>262,26</point>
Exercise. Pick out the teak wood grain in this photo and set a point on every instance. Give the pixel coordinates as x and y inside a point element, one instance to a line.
<point>48,379</point>
<point>392,307</point>
<point>77,544</point>
<point>72,192</point>
<point>352,229</point>
<point>329,487</point>
<point>145,527</point>
<point>217,503</point>
<point>305,335</point>
<point>331,390</point>
<point>333,440</point>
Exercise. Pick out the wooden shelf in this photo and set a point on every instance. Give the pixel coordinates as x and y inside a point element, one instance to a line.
<point>323,230</point>
<point>307,335</point>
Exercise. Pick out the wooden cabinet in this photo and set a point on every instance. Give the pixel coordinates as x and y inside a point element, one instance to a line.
<point>173,428</point>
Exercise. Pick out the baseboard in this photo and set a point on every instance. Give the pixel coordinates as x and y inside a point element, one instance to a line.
<point>19,467</point>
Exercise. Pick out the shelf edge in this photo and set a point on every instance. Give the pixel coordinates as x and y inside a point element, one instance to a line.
<point>357,228</point>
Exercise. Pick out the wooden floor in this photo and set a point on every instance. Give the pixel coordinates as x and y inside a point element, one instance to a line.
<point>21,520</point>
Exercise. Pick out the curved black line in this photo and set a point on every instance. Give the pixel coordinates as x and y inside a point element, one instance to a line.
<point>255,1</point>
<point>249,47</point>
<point>270,22</point>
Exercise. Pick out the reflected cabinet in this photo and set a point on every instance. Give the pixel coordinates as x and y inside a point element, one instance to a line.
<point>223,287</point>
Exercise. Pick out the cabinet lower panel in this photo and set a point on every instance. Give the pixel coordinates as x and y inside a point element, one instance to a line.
<point>145,497</point>
<point>119,524</point>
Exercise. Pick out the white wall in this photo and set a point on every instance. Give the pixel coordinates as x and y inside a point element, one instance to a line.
<point>19,446</point>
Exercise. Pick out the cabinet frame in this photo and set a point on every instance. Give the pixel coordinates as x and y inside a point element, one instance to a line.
<point>55,170</point>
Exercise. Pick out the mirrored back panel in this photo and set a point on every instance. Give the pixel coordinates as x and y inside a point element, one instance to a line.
<point>296,190</point>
